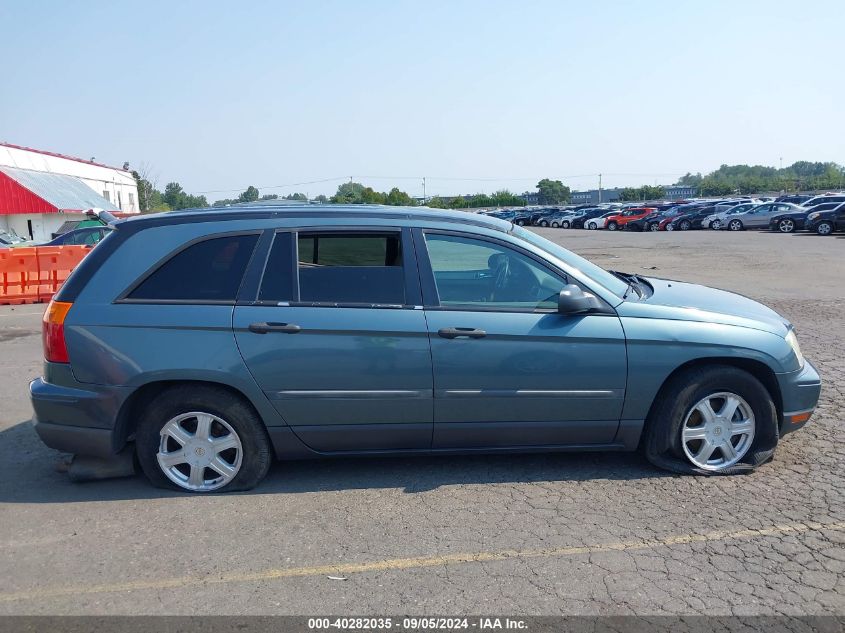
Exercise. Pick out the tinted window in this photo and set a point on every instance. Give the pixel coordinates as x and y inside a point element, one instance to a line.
<point>477,273</point>
<point>277,283</point>
<point>210,270</point>
<point>359,268</point>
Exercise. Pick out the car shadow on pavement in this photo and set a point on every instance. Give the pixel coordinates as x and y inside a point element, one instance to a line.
<point>29,472</point>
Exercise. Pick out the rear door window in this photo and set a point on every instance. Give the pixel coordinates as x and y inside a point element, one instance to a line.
<point>337,268</point>
<point>209,271</point>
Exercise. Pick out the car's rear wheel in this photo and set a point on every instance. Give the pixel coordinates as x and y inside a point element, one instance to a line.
<point>520,222</point>
<point>715,419</point>
<point>786,225</point>
<point>555,225</point>
<point>685,225</point>
<point>564,224</point>
<point>824,227</point>
<point>716,225</point>
<point>202,439</point>
<point>592,226</point>
<point>654,226</point>
<point>735,225</point>
<point>670,226</point>
<point>543,223</point>
<point>612,226</point>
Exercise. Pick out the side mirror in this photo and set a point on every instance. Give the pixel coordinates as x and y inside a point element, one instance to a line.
<point>573,300</point>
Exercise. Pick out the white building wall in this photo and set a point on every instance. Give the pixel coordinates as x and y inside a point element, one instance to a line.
<point>117,185</point>
<point>43,224</point>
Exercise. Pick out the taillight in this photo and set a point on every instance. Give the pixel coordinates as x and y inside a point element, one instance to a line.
<point>53,332</point>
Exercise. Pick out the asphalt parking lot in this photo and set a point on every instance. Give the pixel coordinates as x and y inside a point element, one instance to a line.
<point>541,534</point>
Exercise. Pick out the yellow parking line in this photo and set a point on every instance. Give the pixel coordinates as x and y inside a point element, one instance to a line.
<point>394,564</point>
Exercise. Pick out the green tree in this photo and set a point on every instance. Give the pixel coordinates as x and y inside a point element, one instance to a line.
<point>321,199</point>
<point>552,191</point>
<point>436,202</point>
<point>297,196</point>
<point>399,198</point>
<point>250,195</point>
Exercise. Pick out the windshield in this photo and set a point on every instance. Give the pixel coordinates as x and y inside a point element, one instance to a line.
<point>600,275</point>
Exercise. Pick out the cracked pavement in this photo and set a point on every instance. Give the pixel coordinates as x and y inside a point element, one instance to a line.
<point>578,534</point>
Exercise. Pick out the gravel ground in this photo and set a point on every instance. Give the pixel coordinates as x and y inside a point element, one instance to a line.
<point>541,534</point>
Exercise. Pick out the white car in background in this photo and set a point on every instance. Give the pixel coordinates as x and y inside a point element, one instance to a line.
<point>601,221</point>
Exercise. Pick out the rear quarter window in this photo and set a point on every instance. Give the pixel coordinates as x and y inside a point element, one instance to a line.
<point>209,271</point>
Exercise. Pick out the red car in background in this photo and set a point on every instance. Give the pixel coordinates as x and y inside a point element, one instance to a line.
<point>615,222</point>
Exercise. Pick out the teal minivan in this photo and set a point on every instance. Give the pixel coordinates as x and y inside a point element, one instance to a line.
<point>210,341</point>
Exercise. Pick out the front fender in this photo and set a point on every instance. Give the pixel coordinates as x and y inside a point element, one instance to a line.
<point>658,347</point>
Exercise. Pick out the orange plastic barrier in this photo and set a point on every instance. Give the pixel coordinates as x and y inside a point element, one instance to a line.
<point>34,274</point>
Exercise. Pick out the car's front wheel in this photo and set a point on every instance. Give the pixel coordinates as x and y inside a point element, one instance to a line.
<point>716,225</point>
<point>654,226</point>
<point>592,226</point>
<point>685,225</point>
<point>555,225</point>
<point>543,223</point>
<point>202,439</point>
<point>735,225</point>
<point>612,226</point>
<point>714,419</point>
<point>564,224</point>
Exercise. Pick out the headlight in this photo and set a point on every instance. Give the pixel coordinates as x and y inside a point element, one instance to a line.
<point>793,343</point>
<point>813,216</point>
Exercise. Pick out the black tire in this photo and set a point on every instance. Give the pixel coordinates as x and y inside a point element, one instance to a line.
<point>685,225</point>
<point>825,227</point>
<point>654,226</point>
<point>735,225</point>
<point>564,224</point>
<point>555,225</point>
<point>543,223</point>
<point>662,437</point>
<point>612,226</point>
<point>520,222</point>
<point>592,226</point>
<point>257,453</point>
<point>786,226</point>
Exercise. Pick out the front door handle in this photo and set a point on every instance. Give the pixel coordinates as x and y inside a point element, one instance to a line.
<point>455,332</point>
<point>264,328</point>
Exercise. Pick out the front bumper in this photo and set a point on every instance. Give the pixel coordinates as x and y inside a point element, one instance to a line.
<point>80,419</point>
<point>800,392</point>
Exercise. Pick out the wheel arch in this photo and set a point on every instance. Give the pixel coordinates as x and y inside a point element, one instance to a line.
<point>756,368</point>
<point>130,410</point>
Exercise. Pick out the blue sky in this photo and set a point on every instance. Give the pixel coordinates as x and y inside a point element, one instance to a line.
<point>221,95</point>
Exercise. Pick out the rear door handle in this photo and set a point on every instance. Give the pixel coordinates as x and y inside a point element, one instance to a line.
<point>265,328</point>
<point>455,332</point>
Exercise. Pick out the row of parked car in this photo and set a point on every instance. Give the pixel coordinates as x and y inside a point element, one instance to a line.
<point>823,214</point>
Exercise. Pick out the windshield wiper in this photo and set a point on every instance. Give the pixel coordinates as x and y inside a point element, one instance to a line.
<point>631,280</point>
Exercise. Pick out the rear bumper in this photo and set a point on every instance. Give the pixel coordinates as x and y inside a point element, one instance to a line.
<point>800,392</point>
<point>77,420</point>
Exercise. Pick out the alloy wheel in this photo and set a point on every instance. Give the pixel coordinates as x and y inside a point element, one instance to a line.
<point>735,225</point>
<point>592,225</point>
<point>786,226</point>
<point>824,228</point>
<point>612,226</point>
<point>564,224</point>
<point>716,225</point>
<point>555,225</point>
<point>685,226</point>
<point>670,227</point>
<point>718,431</point>
<point>199,451</point>
<point>654,226</point>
